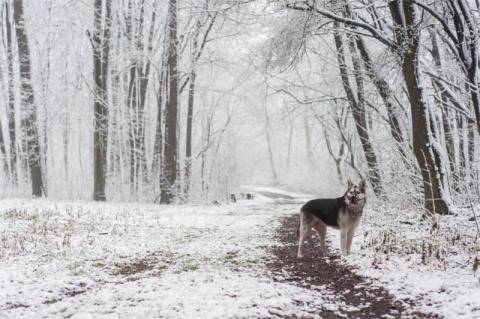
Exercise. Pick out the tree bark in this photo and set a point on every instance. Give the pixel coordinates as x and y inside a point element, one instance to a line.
<point>338,159</point>
<point>197,52</point>
<point>381,85</point>
<point>158,147</point>
<point>3,150</point>
<point>386,94</point>
<point>191,99</point>
<point>139,74</point>
<point>406,46</point>
<point>188,146</point>
<point>170,167</point>
<point>308,140</point>
<point>101,53</point>
<point>358,109</point>
<point>465,44</point>
<point>444,100</point>
<point>269,146</point>
<point>11,98</point>
<point>424,147</point>
<point>29,121</point>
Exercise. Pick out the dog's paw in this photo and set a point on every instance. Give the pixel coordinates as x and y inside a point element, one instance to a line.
<point>299,256</point>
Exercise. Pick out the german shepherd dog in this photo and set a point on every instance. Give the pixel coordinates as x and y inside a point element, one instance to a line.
<point>342,213</point>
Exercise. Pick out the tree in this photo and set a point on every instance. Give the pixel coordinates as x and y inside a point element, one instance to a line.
<point>425,148</point>
<point>140,64</point>
<point>196,54</point>
<point>29,120</point>
<point>100,40</point>
<point>386,93</point>
<point>443,101</point>
<point>168,183</point>
<point>464,43</point>
<point>357,104</point>
<point>8,35</point>
<point>405,45</point>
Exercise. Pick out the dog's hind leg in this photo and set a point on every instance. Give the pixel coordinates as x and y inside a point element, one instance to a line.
<point>321,229</point>
<point>303,231</point>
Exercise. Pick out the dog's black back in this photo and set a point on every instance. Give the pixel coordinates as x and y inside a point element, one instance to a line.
<point>326,209</point>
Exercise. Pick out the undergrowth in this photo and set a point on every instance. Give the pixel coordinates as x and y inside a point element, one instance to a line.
<point>437,242</point>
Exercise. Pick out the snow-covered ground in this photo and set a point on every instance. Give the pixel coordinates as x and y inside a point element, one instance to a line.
<point>83,260</point>
<point>112,260</point>
<point>430,262</point>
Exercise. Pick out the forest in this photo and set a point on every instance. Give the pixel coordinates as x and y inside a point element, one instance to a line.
<point>155,155</point>
<point>182,101</point>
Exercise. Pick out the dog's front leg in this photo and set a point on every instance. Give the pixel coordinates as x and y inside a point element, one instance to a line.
<point>349,240</point>
<point>343,241</point>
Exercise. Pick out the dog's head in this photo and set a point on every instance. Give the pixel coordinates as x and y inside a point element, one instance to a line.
<point>355,194</point>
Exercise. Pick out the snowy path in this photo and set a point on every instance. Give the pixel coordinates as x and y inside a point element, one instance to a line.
<point>355,296</point>
<point>87,260</point>
<point>107,260</point>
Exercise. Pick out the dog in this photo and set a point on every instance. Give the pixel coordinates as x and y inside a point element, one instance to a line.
<point>342,213</point>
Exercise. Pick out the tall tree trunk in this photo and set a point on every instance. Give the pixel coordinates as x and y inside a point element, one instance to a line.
<point>467,46</point>
<point>133,129</point>
<point>191,99</point>
<point>139,73</point>
<point>386,94</point>
<point>308,137</point>
<point>161,97</point>
<point>188,146</point>
<point>3,150</point>
<point>101,50</point>
<point>381,85</point>
<point>465,43</point>
<point>170,168</point>
<point>146,70</point>
<point>66,143</point>
<point>206,142</point>
<point>269,146</point>
<point>428,158</point>
<point>144,80</point>
<point>358,110</point>
<point>158,147</point>
<point>444,100</point>
<point>289,148</point>
<point>338,159</point>
<point>197,52</point>
<point>159,142</point>
<point>29,121</point>
<point>406,46</point>
<point>11,98</point>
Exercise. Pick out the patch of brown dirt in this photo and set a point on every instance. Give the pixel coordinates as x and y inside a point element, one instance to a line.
<point>11,305</point>
<point>133,268</point>
<point>149,263</point>
<point>359,298</point>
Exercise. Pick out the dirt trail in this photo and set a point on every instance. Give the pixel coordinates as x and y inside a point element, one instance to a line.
<point>358,297</point>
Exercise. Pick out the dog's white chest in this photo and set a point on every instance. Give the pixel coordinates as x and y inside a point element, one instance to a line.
<point>348,220</point>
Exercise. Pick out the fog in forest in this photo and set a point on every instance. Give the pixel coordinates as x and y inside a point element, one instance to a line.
<point>188,101</point>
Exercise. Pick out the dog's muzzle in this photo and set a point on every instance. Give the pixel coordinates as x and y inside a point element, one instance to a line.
<point>354,199</point>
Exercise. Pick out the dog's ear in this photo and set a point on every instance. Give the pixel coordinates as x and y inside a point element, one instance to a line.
<point>350,184</point>
<point>362,184</point>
